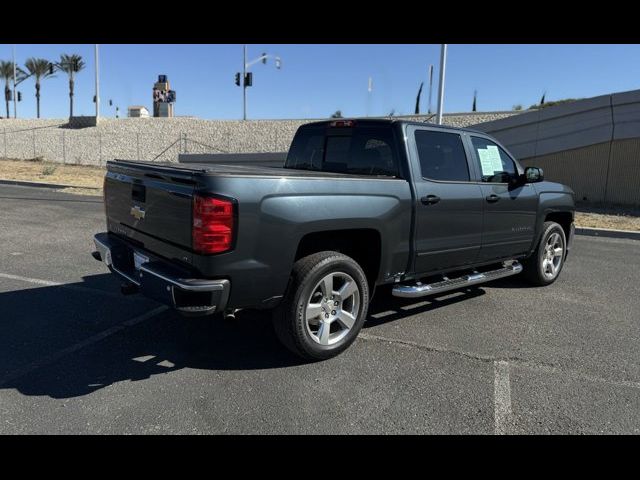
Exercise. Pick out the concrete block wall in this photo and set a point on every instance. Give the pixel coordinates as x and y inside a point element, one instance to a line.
<point>161,139</point>
<point>592,145</point>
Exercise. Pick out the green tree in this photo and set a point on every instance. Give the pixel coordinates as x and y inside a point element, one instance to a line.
<point>6,72</point>
<point>70,64</point>
<point>337,114</point>
<point>40,69</point>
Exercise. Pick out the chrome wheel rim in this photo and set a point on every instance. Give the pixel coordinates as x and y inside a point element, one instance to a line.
<point>332,308</point>
<point>552,256</point>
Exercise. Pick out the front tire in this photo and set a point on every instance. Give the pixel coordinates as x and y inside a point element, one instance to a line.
<point>325,306</point>
<point>544,266</point>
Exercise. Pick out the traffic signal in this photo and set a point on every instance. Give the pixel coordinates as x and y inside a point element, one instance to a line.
<point>238,79</point>
<point>94,99</point>
<point>51,68</point>
<point>248,79</point>
<point>111,103</point>
<point>264,58</point>
<point>19,96</point>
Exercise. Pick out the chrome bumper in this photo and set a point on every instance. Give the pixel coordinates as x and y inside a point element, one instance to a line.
<point>161,281</point>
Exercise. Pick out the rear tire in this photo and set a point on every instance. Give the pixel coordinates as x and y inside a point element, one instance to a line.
<point>325,306</point>
<point>543,267</point>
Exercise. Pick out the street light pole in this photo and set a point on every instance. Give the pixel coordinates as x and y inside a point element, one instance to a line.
<point>245,67</point>
<point>15,103</point>
<point>369,90</point>
<point>244,83</point>
<point>430,86</point>
<point>443,63</point>
<point>97,87</point>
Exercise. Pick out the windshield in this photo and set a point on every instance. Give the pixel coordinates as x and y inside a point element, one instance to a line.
<point>355,150</point>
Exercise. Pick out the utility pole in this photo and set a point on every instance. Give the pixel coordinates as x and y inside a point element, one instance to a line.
<point>430,86</point>
<point>97,87</point>
<point>244,83</point>
<point>369,90</point>
<point>443,64</point>
<point>15,102</point>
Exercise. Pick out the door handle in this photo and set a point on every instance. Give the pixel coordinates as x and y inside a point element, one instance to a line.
<point>493,198</point>
<point>430,199</point>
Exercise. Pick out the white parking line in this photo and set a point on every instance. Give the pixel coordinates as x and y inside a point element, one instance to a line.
<point>502,396</point>
<point>37,281</point>
<point>80,345</point>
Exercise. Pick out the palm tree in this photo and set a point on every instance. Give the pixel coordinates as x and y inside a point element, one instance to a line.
<point>70,64</point>
<point>6,72</point>
<point>40,68</point>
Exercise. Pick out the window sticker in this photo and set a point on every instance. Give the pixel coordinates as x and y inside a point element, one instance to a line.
<point>490,161</point>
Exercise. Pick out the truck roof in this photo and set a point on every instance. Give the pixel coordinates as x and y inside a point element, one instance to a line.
<point>390,121</point>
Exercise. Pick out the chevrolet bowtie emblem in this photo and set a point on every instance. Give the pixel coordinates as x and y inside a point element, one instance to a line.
<point>137,212</point>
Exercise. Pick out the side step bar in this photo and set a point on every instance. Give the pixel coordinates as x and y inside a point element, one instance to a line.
<point>422,289</point>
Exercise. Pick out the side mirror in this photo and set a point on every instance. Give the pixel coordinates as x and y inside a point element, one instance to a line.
<point>533,175</point>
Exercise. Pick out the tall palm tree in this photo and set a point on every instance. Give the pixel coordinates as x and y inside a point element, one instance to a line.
<point>6,72</point>
<point>70,64</point>
<point>40,68</point>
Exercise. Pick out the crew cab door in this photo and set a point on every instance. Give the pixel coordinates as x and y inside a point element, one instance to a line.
<point>509,209</point>
<point>449,204</point>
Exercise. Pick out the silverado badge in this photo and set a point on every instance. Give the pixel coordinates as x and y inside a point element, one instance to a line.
<point>137,212</point>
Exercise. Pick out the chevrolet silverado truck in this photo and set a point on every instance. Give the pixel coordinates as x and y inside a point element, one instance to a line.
<point>358,204</point>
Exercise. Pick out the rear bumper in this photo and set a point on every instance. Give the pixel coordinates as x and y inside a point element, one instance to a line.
<point>161,280</point>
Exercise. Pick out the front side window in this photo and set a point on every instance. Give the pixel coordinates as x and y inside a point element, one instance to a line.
<point>495,165</point>
<point>442,156</point>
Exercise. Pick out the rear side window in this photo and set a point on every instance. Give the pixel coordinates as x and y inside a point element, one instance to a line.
<point>358,150</point>
<point>442,156</point>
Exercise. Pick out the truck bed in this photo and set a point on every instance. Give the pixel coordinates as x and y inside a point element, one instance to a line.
<point>227,169</point>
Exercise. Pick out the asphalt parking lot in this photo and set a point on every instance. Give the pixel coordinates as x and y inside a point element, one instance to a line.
<point>77,357</point>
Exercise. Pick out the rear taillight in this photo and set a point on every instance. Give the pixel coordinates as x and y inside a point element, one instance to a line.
<point>213,224</point>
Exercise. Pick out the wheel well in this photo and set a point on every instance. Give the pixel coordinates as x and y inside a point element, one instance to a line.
<point>564,219</point>
<point>363,245</point>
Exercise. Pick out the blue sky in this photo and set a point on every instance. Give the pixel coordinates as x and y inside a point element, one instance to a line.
<point>316,80</point>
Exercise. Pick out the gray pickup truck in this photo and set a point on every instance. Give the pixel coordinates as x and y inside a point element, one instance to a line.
<point>358,204</point>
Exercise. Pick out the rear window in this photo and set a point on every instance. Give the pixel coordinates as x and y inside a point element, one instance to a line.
<point>356,150</point>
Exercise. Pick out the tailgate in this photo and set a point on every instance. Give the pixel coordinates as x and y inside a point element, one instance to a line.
<point>152,200</point>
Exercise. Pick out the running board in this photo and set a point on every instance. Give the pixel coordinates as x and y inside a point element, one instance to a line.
<point>422,289</point>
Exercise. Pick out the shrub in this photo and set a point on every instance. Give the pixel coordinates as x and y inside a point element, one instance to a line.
<point>49,170</point>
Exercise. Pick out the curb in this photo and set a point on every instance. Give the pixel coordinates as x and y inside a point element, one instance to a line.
<point>608,233</point>
<point>24,183</point>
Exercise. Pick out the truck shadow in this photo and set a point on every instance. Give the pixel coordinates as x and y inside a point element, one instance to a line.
<point>386,308</point>
<point>51,339</point>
